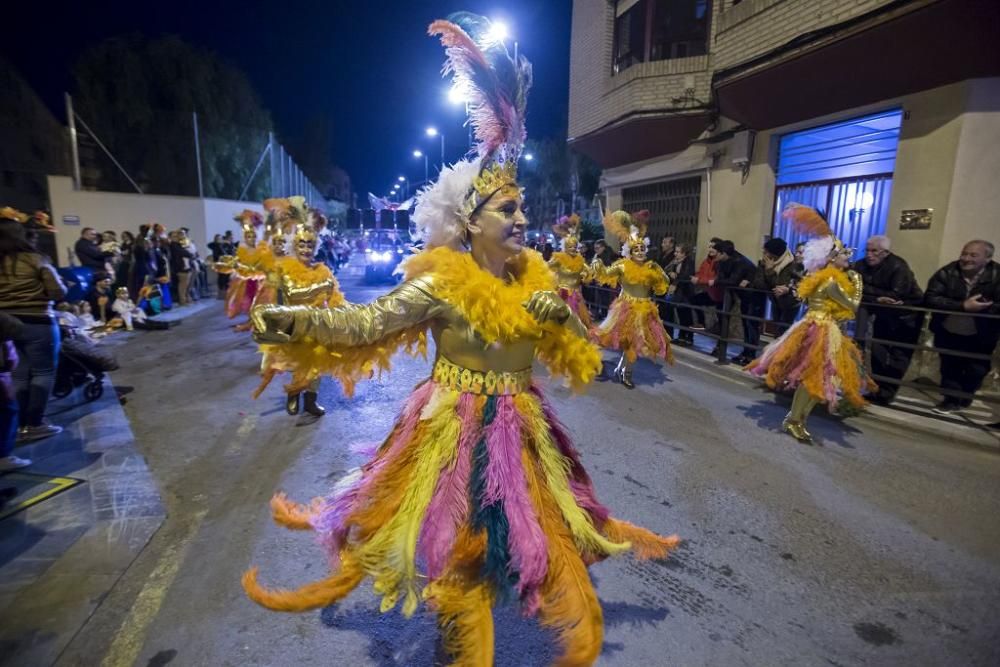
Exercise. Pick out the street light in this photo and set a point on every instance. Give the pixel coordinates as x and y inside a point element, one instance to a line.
<point>528,157</point>
<point>420,154</point>
<point>406,184</point>
<point>433,132</point>
<point>498,32</point>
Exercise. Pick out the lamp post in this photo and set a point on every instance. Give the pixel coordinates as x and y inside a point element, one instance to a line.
<point>406,184</point>
<point>420,154</point>
<point>433,132</point>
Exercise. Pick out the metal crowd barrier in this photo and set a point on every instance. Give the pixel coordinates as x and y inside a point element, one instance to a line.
<point>599,298</point>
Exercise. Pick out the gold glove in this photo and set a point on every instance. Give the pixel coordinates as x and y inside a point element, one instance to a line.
<point>548,306</point>
<point>272,323</point>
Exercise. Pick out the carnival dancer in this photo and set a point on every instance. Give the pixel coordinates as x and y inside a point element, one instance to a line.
<point>814,357</point>
<point>243,267</point>
<point>301,281</point>
<point>633,323</point>
<point>278,224</point>
<point>477,496</point>
<point>570,268</point>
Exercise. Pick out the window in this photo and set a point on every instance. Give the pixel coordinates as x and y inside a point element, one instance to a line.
<point>844,170</point>
<point>661,30</point>
<point>672,205</point>
<point>630,37</point>
<point>680,29</point>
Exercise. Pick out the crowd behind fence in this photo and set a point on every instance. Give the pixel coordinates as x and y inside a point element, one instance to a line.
<point>729,319</point>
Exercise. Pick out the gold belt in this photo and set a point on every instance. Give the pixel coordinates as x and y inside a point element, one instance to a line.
<point>490,383</point>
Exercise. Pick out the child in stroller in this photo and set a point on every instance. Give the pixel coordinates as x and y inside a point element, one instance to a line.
<point>81,362</point>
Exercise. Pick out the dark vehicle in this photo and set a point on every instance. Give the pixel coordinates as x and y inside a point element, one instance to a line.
<point>384,250</point>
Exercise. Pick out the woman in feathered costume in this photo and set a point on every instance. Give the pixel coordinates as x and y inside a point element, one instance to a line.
<point>814,357</point>
<point>477,496</point>
<point>244,267</point>
<point>570,269</point>
<point>298,280</point>
<point>633,322</point>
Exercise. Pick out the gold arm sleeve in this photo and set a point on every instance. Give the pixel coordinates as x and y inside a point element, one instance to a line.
<point>354,325</point>
<point>834,291</point>
<point>307,292</point>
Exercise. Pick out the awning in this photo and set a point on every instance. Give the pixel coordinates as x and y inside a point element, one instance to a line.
<point>903,48</point>
<point>642,136</point>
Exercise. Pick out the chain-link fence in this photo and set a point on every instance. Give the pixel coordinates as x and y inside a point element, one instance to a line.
<point>178,153</point>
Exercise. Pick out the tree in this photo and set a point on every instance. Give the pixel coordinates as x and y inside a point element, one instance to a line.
<point>138,95</point>
<point>552,178</point>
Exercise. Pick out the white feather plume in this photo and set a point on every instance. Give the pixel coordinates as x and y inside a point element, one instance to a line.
<point>438,215</point>
<point>816,253</point>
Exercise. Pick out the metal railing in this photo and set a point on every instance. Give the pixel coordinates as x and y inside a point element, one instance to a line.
<point>599,298</point>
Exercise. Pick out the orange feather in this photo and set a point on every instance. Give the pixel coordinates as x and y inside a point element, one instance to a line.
<point>291,514</point>
<point>315,595</point>
<point>645,543</point>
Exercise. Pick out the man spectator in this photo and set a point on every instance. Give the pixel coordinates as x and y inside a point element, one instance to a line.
<point>776,273</point>
<point>88,252</point>
<point>665,255</point>
<point>736,273</point>
<point>710,296</point>
<point>181,265</point>
<point>888,283</point>
<point>970,285</point>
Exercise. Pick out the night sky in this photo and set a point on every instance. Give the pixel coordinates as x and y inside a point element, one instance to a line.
<point>369,64</point>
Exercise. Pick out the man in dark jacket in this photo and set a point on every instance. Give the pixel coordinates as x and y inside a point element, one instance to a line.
<point>970,286</point>
<point>776,273</point>
<point>88,252</point>
<point>736,275</point>
<point>889,284</point>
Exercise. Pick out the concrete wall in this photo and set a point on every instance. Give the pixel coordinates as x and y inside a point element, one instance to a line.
<point>120,212</point>
<point>974,202</point>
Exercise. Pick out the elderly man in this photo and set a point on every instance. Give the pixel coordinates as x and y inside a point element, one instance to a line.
<point>889,284</point>
<point>970,286</point>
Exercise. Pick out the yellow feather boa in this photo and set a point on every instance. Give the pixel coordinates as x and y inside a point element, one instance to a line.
<point>494,308</point>
<point>646,273</point>
<point>303,275</point>
<point>816,280</point>
<point>569,263</point>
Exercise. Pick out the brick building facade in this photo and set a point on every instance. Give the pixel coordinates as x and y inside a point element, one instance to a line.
<point>712,113</point>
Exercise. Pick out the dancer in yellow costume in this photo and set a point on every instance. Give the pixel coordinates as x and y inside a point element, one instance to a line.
<point>570,268</point>
<point>814,357</point>
<point>633,322</point>
<point>477,497</point>
<point>244,267</point>
<point>300,281</point>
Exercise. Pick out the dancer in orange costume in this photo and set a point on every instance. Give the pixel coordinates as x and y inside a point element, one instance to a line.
<point>814,357</point>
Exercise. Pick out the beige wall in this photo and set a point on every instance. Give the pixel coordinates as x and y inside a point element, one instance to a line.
<point>120,212</point>
<point>974,203</point>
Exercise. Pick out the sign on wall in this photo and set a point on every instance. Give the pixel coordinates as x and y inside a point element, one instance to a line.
<point>918,218</point>
<point>71,220</point>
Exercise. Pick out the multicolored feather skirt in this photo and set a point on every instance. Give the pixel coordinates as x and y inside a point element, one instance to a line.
<point>633,326</point>
<point>240,295</point>
<point>574,299</point>
<point>473,500</point>
<point>814,353</point>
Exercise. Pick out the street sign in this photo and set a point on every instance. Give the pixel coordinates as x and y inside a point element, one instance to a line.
<point>71,219</point>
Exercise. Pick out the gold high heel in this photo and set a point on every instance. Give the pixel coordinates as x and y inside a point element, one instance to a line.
<point>797,430</point>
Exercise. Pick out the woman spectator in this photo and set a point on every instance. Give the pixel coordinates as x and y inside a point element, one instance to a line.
<point>682,270</point>
<point>143,262</point>
<point>124,268</point>
<point>711,296</point>
<point>776,273</point>
<point>10,329</point>
<point>28,286</point>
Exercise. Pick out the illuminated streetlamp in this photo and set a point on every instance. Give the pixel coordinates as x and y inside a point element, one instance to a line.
<point>433,132</point>
<point>420,154</point>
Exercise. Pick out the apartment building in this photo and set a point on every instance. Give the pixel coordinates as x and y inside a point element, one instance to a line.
<point>713,114</point>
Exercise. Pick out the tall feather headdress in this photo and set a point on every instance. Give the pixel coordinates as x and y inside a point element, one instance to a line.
<point>496,86</point>
<point>824,245</point>
<point>568,229</point>
<point>629,228</point>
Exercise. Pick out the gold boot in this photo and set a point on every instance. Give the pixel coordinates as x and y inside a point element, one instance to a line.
<point>796,429</point>
<point>292,404</point>
<point>310,405</point>
<point>627,377</point>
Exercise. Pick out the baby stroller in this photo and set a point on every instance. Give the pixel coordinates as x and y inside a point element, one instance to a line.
<point>82,363</point>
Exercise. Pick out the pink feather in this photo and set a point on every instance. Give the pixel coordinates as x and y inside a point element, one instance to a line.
<point>449,507</point>
<point>506,483</point>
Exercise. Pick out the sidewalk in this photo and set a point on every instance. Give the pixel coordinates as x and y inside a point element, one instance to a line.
<point>92,507</point>
<point>911,409</point>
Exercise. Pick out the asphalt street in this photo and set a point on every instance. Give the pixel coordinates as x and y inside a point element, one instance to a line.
<point>876,547</point>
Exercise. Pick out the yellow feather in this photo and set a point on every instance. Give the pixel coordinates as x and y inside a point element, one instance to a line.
<point>556,467</point>
<point>569,604</point>
<point>389,555</point>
